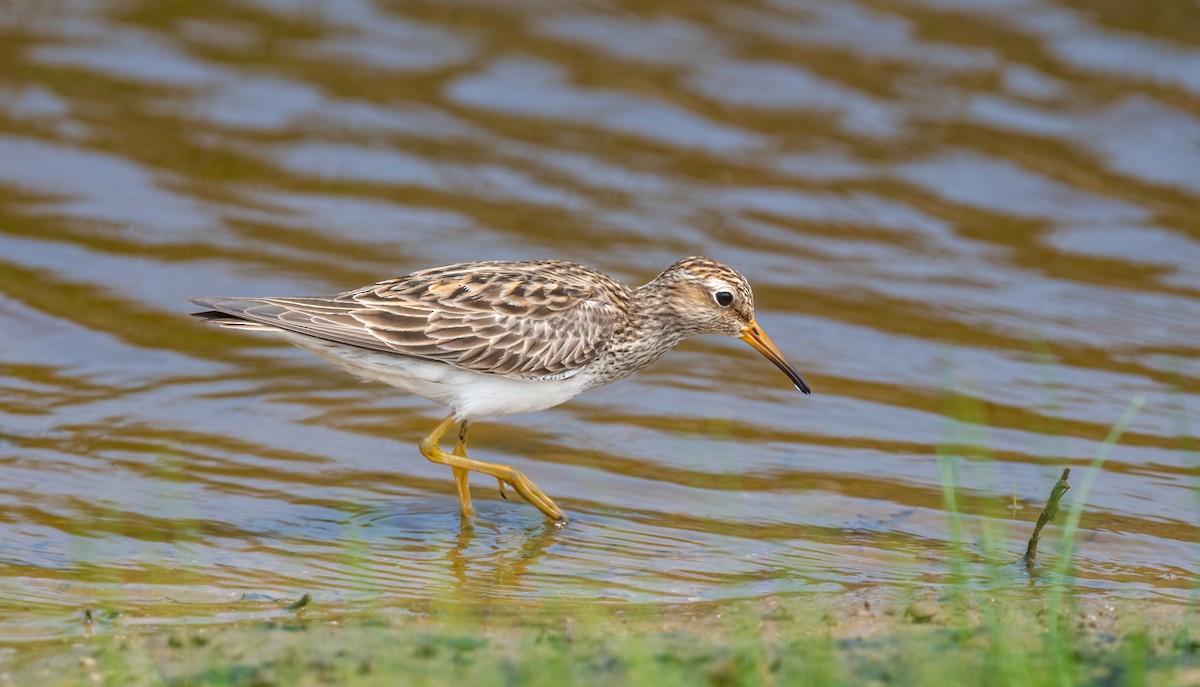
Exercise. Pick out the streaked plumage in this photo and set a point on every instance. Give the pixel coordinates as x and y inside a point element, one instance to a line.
<point>498,338</point>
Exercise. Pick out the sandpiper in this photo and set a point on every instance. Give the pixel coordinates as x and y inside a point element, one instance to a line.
<point>499,338</point>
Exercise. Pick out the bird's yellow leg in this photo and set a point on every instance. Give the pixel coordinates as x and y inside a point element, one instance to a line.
<point>461,474</point>
<point>506,474</point>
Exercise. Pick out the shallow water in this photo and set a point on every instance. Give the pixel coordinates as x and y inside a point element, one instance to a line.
<point>971,225</point>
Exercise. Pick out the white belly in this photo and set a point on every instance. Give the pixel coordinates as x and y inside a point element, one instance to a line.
<point>470,395</point>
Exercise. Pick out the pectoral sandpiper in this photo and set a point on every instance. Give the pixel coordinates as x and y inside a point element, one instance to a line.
<point>499,338</point>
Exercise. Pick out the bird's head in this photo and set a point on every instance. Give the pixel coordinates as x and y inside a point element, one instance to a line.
<point>704,296</point>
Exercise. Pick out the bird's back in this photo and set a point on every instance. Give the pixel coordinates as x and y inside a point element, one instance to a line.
<point>541,319</point>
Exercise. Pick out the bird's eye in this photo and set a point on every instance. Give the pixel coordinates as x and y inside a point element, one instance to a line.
<point>723,298</point>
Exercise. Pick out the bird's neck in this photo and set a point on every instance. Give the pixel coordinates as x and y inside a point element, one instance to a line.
<point>645,334</point>
<point>652,321</point>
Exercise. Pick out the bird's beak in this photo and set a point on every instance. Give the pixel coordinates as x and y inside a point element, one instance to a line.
<point>756,337</point>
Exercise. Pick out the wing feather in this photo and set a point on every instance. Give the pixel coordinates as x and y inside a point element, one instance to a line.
<point>526,320</point>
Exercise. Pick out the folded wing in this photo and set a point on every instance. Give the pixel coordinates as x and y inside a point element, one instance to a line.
<point>516,323</point>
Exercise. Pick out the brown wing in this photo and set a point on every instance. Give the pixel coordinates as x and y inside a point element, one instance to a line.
<point>526,320</point>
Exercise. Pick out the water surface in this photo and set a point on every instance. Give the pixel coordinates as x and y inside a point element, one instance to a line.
<point>971,225</point>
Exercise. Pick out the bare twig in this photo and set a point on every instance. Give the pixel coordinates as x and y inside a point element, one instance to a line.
<point>1048,514</point>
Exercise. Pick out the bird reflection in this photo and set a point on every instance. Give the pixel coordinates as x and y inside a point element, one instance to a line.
<point>507,559</point>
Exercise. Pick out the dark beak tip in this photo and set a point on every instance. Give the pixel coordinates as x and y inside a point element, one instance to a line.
<point>798,381</point>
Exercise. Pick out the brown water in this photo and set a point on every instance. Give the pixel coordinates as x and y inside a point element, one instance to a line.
<point>971,225</point>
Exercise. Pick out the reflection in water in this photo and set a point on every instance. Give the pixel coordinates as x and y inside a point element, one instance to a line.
<point>506,569</point>
<point>973,228</point>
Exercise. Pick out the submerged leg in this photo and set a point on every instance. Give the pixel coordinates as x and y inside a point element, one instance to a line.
<point>461,474</point>
<point>506,474</point>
